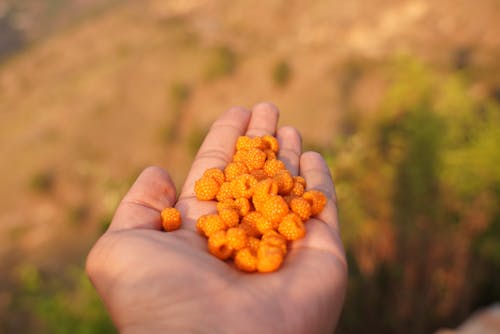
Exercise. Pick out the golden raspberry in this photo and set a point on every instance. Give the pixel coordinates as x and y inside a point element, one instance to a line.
<point>216,174</point>
<point>209,224</point>
<point>230,217</point>
<point>249,223</point>
<point>218,245</point>
<point>285,182</point>
<point>253,243</point>
<point>243,206</point>
<point>292,227</point>
<point>170,219</point>
<point>317,200</point>
<point>270,155</point>
<point>236,238</point>
<point>297,190</point>
<point>271,142</point>
<point>226,204</point>
<point>206,188</point>
<point>301,207</point>
<point>274,208</point>
<point>246,260</point>
<point>255,159</point>
<point>300,180</point>
<point>264,225</point>
<point>243,186</point>
<point>275,239</point>
<point>264,189</point>
<point>225,192</point>
<point>234,169</point>
<point>259,174</point>
<point>271,167</point>
<point>240,156</point>
<point>269,258</point>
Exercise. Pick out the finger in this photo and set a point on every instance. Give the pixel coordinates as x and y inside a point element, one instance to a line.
<point>290,148</point>
<point>317,175</point>
<point>140,208</point>
<point>216,151</point>
<point>264,120</point>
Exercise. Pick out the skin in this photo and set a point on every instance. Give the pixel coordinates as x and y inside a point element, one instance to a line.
<point>156,282</point>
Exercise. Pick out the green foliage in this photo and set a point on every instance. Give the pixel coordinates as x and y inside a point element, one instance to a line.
<point>221,62</point>
<point>281,73</point>
<point>419,187</point>
<point>62,304</point>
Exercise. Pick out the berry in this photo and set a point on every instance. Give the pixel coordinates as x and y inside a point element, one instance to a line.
<point>301,207</point>
<point>271,143</point>
<point>225,192</point>
<point>297,189</point>
<point>292,227</point>
<point>274,208</point>
<point>216,174</point>
<point>209,224</point>
<point>259,174</point>
<point>275,239</point>
<point>206,188</point>
<point>269,258</point>
<point>170,219</point>
<point>243,206</point>
<point>246,260</point>
<point>230,217</point>
<point>317,200</point>
<point>285,182</point>
<point>254,159</point>
<point>218,245</point>
<point>271,167</point>
<point>236,238</point>
<point>234,169</point>
<point>243,186</point>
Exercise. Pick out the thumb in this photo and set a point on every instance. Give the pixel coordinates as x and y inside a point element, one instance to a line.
<point>140,208</point>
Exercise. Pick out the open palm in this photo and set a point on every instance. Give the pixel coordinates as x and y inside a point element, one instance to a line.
<point>152,281</point>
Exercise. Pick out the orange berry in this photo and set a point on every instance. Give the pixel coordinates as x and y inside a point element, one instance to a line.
<point>255,159</point>
<point>301,207</point>
<point>264,189</point>
<point>292,227</point>
<point>270,155</point>
<point>271,167</point>
<point>317,200</point>
<point>209,224</point>
<point>300,180</point>
<point>243,186</point>
<point>243,206</point>
<point>226,204</point>
<point>230,217</point>
<point>170,219</point>
<point>206,188</point>
<point>263,225</point>
<point>275,239</point>
<point>225,192</point>
<point>274,208</point>
<point>240,156</point>
<point>253,243</point>
<point>218,245</point>
<point>269,258</point>
<point>297,190</point>
<point>246,143</point>
<point>234,169</point>
<point>236,238</point>
<point>216,174</point>
<point>249,223</point>
<point>259,174</point>
<point>284,180</point>
<point>246,260</point>
<point>271,143</point>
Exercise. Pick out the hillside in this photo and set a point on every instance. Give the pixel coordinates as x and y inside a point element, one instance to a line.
<point>85,108</point>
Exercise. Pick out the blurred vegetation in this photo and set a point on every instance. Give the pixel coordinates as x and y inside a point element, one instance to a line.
<point>42,182</point>
<point>281,73</point>
<point>419,186</point>
<point>221,62</point>
<point>62,303</point>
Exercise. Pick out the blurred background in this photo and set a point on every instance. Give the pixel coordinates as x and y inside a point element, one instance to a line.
<point>402,98</point>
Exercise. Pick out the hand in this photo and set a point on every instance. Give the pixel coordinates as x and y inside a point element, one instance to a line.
<point>156,282</point>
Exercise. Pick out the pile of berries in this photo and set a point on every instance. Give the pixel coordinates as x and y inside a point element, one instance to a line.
<point>260,205</point>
